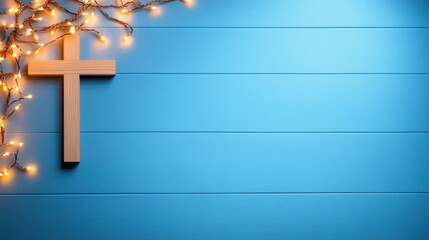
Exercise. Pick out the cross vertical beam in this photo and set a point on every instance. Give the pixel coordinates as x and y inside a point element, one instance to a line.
<point>71,103</point>
<point>71,68</point>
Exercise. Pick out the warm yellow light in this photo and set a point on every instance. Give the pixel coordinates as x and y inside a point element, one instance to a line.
<point>18,107</point>
<point>72,30</point>
<point>125,11</point>
<point>21,144</point>
<point>12,142</point>
<point>13,10</point>
<point>29,96</point>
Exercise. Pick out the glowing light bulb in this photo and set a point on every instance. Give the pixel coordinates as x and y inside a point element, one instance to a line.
<point>125,11</point>
<point>12,142</point>
<point>21,144</point>
<point>72,30</point>
<point>18,107</point>
<point>29,96</point>
<point>152,7</point>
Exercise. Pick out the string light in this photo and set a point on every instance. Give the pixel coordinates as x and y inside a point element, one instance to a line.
<point>20,39</point>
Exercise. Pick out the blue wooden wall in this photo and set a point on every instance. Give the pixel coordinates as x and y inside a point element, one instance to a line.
<point>250,119</point>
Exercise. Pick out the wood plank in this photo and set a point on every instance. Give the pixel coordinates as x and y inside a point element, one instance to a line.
<point>61,67</point>
<point>245,50</point>
<point>283,13</point>
<point>207,163</point>
<point>71,113</point>
<point>296,50</point>
<point>266,103</point>
<point>216,217</point>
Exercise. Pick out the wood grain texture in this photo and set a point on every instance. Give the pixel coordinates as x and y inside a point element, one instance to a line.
<point>223,115</point>
<point>71,108</point>
<point>249,103</point>
<point>178,163</point>
<point>71,68</point>
<point>267,50</point>
<point>81,67</point>
<point>214,217</point>
<point>283,13</point>
<point>71,104</point>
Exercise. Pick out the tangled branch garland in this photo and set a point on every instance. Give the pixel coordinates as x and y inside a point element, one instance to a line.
<point>21,29</point>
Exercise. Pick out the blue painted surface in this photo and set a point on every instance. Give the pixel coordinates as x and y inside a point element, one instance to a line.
<point>287,120</point>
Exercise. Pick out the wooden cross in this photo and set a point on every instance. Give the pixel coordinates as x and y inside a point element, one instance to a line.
<point>71,68</point>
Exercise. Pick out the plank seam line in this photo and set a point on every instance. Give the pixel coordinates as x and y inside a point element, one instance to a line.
<point>213,193</point>
<point>227,132</point>
<point>86,78</point>
<point>283,73</point>
<point>261,27</point>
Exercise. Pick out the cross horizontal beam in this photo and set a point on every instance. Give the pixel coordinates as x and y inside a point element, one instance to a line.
<point>81,67</point>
